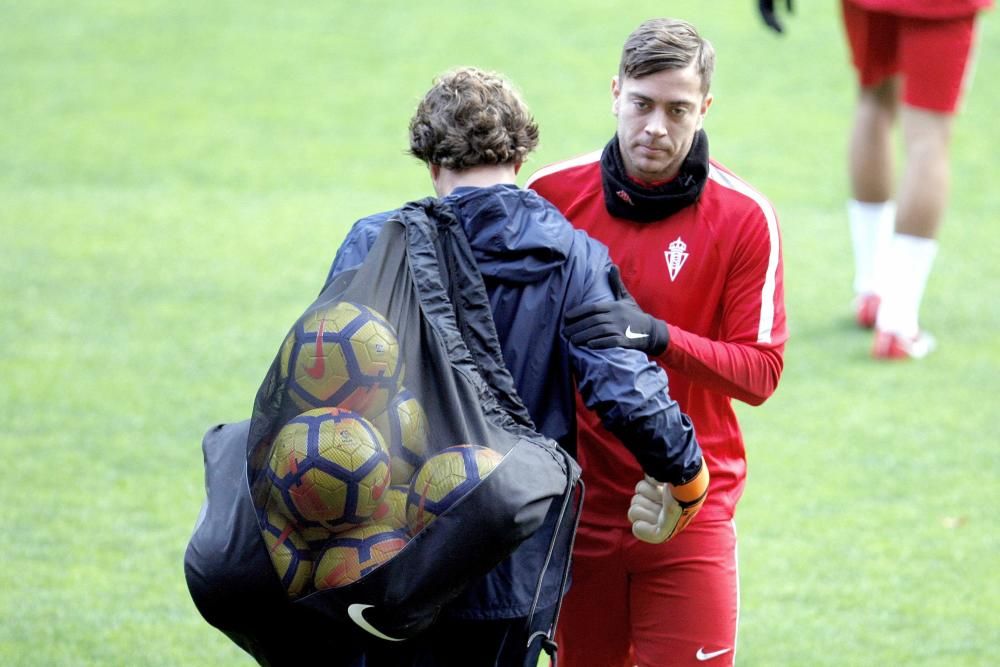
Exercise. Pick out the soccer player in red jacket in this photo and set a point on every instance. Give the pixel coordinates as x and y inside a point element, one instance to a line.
<point>699,250</point>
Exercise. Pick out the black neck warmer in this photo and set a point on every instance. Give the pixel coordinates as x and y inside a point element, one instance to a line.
<point>625,198</point>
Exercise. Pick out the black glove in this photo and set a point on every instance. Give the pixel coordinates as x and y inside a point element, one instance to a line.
<point>618,323</point>
<point>767,13</point>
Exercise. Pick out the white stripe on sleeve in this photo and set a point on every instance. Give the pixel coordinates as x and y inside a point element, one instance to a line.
<point>727,180</point>
<point>586,158</point>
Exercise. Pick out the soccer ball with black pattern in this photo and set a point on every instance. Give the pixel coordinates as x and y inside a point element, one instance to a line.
<point>445,478</point>
<point>349,556</point>
<point>290,555</point>
<point>404,427</point>
<point>392,511</point>
<point>328,466</point>
<point>344,355</point>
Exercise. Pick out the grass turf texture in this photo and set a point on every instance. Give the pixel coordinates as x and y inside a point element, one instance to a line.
<point>176,176</point>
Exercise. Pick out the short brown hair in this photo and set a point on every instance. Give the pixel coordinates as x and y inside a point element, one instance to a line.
<point>659,44</point>
<point>469,118</point>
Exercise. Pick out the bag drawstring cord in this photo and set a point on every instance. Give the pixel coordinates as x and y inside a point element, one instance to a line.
<point>548,643</point>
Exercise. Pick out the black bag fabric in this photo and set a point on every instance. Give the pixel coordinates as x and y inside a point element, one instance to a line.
<point>421,276</point>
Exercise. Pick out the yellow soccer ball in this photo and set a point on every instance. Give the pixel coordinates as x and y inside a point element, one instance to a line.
<point>349,556</point>
<point>445,478</point>
<point>404,427</point>
<point>345,355</point>
<point>329,466</point>
<point>290,555</point>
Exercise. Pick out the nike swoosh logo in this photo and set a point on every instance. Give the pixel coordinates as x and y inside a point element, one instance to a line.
<point>631,334</point>
<point>319,365</point>
<point>702,656</point>
<point>357,613</point>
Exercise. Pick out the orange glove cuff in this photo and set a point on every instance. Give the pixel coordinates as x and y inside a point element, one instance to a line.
<point>692,492</point>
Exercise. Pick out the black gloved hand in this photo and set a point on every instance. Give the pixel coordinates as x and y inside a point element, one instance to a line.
<point>618,323</point>
<point>770,18</point>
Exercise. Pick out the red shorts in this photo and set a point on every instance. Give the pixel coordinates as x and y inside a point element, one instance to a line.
<point>652,605</point>
<point>932,55</point>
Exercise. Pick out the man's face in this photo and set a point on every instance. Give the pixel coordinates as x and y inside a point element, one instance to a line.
<point>658,116</point>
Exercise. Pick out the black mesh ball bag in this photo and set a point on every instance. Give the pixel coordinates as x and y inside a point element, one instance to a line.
<point>388,462</point>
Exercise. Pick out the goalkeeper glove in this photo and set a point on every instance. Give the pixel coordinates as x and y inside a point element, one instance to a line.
<point>620,323</point>
<point>766,8</point>
<point>660,511</point>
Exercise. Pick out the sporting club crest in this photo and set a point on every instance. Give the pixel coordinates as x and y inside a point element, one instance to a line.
<point>676,256</point>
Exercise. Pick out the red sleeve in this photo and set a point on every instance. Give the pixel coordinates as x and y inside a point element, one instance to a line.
<point>745,372</point>
<point>747,359</point>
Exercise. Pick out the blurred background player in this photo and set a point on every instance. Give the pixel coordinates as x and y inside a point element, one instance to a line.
<point>915,52</point>
<point>700,251</point>
<point>473,131</point>
<point>912,59</point>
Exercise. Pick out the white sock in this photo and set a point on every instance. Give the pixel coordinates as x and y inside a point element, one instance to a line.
<point>907,266</point>
<point>871,228</point>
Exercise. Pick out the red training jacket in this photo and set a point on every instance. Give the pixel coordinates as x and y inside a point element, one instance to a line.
<point>713,272</point>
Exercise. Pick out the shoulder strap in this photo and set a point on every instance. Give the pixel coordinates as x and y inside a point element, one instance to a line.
<point>447,274</point>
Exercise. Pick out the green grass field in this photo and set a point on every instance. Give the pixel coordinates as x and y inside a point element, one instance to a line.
<point>176,176</point>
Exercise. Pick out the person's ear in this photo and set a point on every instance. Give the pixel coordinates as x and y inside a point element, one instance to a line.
<point>705,104</point>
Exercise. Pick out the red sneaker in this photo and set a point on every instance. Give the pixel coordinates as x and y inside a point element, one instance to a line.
<point>893,346</point>
<point>865,310</point>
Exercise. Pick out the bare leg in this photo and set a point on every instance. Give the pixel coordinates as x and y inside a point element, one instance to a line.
<point>871,161</point>
<point>923,195</point>
<point>926,179</point>
<point>871,211</point>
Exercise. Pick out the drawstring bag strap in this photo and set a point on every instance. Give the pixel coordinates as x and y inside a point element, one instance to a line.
<point>547,639</point>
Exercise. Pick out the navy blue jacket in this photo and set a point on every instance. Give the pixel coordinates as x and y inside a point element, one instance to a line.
<point>536,267</point>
